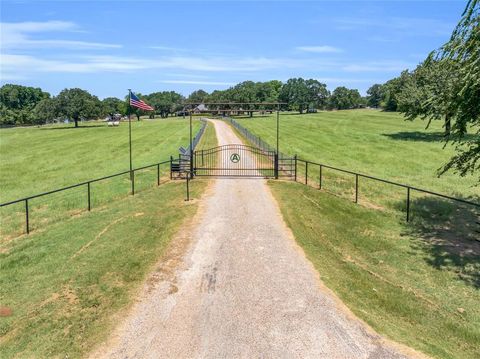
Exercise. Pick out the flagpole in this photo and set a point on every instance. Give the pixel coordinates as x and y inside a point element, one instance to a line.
<point>130,132</point>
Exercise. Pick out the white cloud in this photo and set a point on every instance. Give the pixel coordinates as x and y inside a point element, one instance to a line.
<point>18,36</point>
<point>197,82</point>
<point>319,49</point>
<point>12,64</point>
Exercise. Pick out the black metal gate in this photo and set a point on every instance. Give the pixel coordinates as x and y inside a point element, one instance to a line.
<point>238,161</point>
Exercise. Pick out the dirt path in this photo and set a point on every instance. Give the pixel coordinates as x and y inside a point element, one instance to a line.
<point>244,290</point>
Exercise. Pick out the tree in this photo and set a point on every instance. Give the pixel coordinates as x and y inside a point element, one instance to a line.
<point>78,104</point>
<point>461,55</point>
<point>198,97</point>
<point>17,103</point>
<point>392,89</point>
<point>45,111</point>
<point>165,102</point>
<point>296,92</point>
<point>428,93</point>
<point>375,95</point>
<point>112,105</point>
<point>343,98</point>
<point>318,94</point>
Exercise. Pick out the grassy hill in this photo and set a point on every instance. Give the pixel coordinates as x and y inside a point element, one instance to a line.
<point>372,142</point>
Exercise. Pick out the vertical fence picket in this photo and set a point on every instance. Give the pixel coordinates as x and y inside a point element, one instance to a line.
<point>88,195</point>
<point>27,222</point>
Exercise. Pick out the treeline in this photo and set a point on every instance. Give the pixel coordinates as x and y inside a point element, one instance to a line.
<point>22,105</point>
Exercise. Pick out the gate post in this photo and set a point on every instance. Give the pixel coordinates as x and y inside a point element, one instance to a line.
<point>295,158</point>
<point>276,165</point>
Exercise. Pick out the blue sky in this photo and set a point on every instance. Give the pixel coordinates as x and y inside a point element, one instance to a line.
<point>107,47</point>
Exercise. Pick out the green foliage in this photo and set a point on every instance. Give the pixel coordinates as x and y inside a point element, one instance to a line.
<point>428,93</point>
<point>76,104</point>
<point>302,95</point>
<point>114,105</point>
<point>343,99</point>
<point>198,97</point>
<point>392,89</point>
<point>461,55</point>
<point>165,102</point>
<point>375,95</point>
<point>17,104</point>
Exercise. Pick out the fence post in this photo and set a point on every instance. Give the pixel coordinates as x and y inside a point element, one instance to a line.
<point>133,183</point>
<point>295,158</point>
<point>171,164</point>
<point>320,178</point>
<point>306,172</point>
<point>27,223</point>
<point>188,188</point>
<point>88,195</point>
<point>158,174</point>
<point>276,165</point>
<point>356,187</point>
<point>408,204</point>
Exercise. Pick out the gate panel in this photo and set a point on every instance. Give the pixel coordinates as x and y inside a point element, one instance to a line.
<point>235,161</point>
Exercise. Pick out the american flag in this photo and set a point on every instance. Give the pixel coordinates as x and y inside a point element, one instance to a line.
<point>136,102</point>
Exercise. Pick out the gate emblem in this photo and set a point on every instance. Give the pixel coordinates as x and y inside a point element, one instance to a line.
<point>235,157</point>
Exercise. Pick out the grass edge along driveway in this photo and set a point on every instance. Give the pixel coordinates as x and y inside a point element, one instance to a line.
<point>65,284</point>
<point>405,287</point>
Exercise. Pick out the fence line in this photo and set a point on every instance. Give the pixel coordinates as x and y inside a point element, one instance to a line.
<point>264,145</point>
<point>361,175</point>
<point>89,182</point>
<point>256,140</point>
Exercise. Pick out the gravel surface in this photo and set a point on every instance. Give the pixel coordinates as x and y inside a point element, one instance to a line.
<point>243,289</point>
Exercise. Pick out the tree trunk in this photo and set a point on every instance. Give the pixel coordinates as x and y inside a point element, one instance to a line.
<point>448,125</point>
<point>138,116</point>
<point>76,121</point>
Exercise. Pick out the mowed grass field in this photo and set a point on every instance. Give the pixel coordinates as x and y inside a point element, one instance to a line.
<point>417,287</point>
<point>64,286</point>
<point>35,160</point>
<point>371,142</point>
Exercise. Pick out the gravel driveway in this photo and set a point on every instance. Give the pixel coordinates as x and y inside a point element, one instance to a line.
<point>243,289</point>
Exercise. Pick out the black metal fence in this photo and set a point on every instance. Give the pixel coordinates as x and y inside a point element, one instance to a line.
<point>88,184</point>
<point>88,190</point>
<point>198,136</point>
<point>254,139</point>
<point>319,167</point>
<point>304,178</point>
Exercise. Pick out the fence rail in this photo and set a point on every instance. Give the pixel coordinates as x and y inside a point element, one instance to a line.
<point>397,184</point>
<point>254,139</point>
<point>266,146</point>
<point>88,189</point>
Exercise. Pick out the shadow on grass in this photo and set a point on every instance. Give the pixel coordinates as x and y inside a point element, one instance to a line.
<point>71,127</point>
<point>422,136</point>
<point>449,236</point>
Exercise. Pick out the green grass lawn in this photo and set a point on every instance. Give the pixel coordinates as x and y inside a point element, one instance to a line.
<point>65,284</point>
<point>406,281</point>
<point>367,141</point>
<point>35,160</point>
